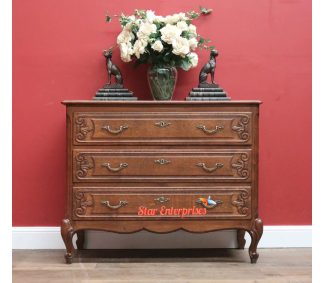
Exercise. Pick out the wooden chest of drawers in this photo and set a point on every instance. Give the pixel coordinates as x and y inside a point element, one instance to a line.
<point>162,166</point>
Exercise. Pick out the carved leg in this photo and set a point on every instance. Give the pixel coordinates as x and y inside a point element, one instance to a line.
<point>255,233</point>
<point>67,234</point>
<point>80,239</point>
<point>240,239</point>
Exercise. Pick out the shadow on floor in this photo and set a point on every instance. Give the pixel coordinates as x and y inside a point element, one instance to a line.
<point>161,255</point>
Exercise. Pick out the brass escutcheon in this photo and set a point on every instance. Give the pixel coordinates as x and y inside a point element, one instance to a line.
<point>162,199</point>
<point>162,161</point>
<point>162,124</point>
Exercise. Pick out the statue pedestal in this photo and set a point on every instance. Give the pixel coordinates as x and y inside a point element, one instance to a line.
<point>114,92</point>
<point>208,92</point>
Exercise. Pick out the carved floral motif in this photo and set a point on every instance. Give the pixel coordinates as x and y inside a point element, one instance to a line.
<point>82,128</point>
<point>242,128</point>
<point>241,166</point>
<point>241,203</point>
<point>82,203</point>
<point>83,164</point>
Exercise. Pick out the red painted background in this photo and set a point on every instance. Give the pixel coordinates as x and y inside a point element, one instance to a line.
<point>265,54</point>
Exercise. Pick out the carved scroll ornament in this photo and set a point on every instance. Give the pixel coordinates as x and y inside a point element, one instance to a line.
<point>241,165</point>
<point>241,203</point>
<point>82,203</point>
<point>82,128</point>
<point>242,128</point>
<point>83,164</point>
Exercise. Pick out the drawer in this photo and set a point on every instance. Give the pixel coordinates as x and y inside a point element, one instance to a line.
<point>99,203</point>
<point>152,128</point>
<point>211,165</point>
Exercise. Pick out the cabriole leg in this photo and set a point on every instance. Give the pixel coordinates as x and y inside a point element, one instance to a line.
<point>67,234</point>
<point>255,233</point>
<point>240,239</point>
<point>80,239</point>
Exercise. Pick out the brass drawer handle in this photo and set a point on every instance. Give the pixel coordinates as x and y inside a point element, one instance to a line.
<point>115,169</point>
<point>210,132</point>
<point>162,161</point>
<point>162,124</point>
<point>115,132</point>
<point>121,204</point>
<point>210,169</point>
<point>162,199</point>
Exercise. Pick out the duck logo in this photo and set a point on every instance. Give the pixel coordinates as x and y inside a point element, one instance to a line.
<point>208,202</point>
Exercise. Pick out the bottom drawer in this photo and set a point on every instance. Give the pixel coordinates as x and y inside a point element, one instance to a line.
<point>98,203</point>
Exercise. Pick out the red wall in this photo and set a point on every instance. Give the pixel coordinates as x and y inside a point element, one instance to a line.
<point>265,54</point>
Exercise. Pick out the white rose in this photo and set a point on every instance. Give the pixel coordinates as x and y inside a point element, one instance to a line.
<point>125,36</point>
<point>138,22</point>
<point>157,46</point>
<point>193,43</point>
<point>180,46</point>
<point>150,16</point>
<point>169,32</point>
<point>192,29</point>
<point>182,25</point>
<point>182,16</point>
<point>169,20</point>
<point>139,47</point>
<point>126,51</point>
<point>160,19</point>
<point>193,59</point>
<point>128,26</point>
<point>145,30</point>
<point>175,18</point>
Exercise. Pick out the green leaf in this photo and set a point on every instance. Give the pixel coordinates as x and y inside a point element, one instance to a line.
<point>192,15</point>
<point>140,13</point>
<point>134,28</point>
<point>186,34</point>
<point>108,19</point>
<point>205,11</point>
<point>185,65</point>
<point>201,41</point>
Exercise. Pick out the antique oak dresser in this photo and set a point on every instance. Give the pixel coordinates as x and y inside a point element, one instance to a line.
<point>161,167</point>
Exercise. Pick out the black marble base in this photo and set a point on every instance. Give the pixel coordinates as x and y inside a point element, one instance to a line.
<point>117,93</point>
<point>207,98</point>
<point>208,85</point>
<point>212,92</point>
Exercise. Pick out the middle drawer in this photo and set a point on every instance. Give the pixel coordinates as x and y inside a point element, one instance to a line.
<point>217,165</point>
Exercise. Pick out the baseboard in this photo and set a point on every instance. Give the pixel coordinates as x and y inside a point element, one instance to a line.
<point>50,238</point>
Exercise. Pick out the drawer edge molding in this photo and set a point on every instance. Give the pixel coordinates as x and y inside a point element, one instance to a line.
<point>87,122</point>
<point>87,198</point>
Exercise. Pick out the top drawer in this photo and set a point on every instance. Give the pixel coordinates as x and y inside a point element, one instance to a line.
<point>156,128</point>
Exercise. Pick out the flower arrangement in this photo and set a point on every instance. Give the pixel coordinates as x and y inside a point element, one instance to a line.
<point>158,40</point>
